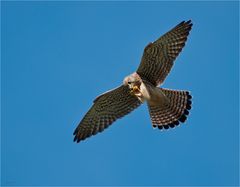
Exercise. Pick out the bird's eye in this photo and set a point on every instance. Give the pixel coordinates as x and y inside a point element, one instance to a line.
<point>129,82</point>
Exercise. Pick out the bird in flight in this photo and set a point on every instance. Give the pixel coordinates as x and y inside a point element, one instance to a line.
<point>167,108</point>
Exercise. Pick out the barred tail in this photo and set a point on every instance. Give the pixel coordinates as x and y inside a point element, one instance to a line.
<point>169,116</point>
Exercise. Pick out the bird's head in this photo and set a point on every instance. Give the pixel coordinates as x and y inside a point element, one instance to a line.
<point>132,81</point>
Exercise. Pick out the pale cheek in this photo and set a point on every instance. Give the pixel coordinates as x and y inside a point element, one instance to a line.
<point>125,81</point>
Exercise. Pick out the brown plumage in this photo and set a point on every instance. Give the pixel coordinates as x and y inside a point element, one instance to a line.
<point>104,112</point>
<point>177,109</point>
<point>167,108</point>
<point>159,56</point>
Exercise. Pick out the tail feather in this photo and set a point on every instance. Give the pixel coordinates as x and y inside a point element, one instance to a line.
<point>176,111</point>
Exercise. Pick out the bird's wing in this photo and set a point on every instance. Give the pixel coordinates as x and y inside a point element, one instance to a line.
<point>158,57</point>
<point>106,109</point>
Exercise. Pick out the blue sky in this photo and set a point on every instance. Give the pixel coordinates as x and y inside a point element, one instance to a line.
<point>58,56</point>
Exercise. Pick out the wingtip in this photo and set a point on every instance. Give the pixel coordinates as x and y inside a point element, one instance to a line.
<point>75,131</point>
<point>189,22</point>
<point>186,22</point>
<point>76,139</point>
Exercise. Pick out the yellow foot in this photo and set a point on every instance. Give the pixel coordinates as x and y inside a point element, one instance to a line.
<point>134,89</point>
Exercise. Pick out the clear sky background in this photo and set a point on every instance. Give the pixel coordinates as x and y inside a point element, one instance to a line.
<point>58,56</point>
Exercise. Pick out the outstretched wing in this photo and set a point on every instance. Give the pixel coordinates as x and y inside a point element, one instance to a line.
<point>106,109</point>
<point>158,57</point>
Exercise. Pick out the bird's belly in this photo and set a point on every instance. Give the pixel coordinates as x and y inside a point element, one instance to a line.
<point>152,95</point>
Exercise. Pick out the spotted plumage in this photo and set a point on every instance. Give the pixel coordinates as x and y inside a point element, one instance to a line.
<point>173,113</point>
<point>167,108</point>
<point>106,109</point>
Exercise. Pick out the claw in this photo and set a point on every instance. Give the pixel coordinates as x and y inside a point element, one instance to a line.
<point>134,89</point>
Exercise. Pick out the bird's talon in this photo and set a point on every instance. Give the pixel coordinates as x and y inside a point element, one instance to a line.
<point>135,88</point>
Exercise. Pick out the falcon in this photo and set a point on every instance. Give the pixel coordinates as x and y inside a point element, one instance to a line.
<point>167,108</point>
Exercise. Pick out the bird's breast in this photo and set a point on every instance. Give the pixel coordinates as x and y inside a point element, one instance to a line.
<point>153,95</point>
<point>145,91</point>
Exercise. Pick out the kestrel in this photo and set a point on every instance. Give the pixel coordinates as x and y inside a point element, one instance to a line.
<point>166,107</point>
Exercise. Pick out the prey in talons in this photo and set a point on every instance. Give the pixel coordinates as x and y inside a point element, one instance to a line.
<point>135,90</point>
